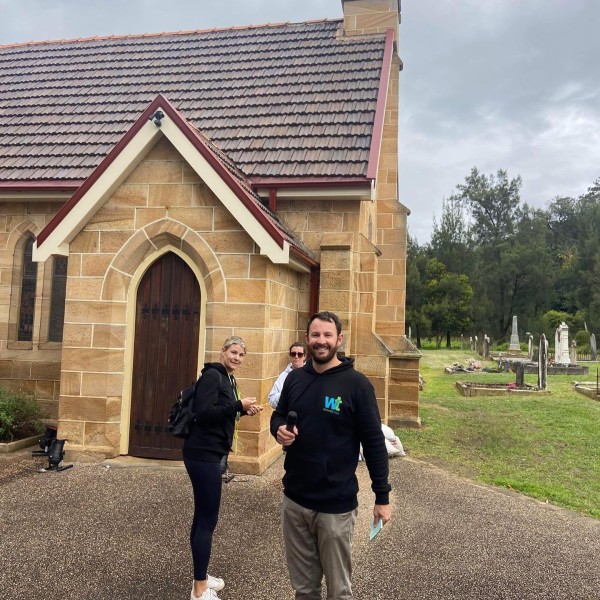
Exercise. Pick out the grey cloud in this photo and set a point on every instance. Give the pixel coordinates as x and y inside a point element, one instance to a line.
<point>502,84</point>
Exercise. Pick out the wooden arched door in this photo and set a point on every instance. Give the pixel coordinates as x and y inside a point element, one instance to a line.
<point>167,324</point>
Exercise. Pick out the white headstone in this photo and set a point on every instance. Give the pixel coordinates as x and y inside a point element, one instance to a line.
<point>514,338</point>
<point>543,364</point>
<point>563,343</point>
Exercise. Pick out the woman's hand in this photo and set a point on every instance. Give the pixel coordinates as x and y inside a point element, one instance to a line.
<point>250,406</point>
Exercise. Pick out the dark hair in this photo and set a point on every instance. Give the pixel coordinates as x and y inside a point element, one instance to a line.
<point>325,315</point>
<point>296,345</point>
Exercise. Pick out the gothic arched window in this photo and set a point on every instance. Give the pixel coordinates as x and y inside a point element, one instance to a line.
<point>57,299</point>
<point>28,285</point>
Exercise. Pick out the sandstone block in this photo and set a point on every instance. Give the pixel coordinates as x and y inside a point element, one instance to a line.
<point>336,259</point>
<point>102,436</point>
<point>109,336</point>
<point>84,288</point>
<point>128,195</point>
<point>72,431</point>
<point>85,242</point>
<point>115,218</point>
<point>77,335</point>
<point>82,408</point>
<point>246,290</point>
<point>83,311</point>
<point>45,370</point>
<point>92,359</point>
<point>157,171</point>
<point>92,265</point>
<point>144,216</point>
<point>112,241</point>
<point>70,383</point>
<point>102,384</point>
<point>170,195</point>
<point>238,315</point>
<point>236,265</point>
<point>230,242</point>
<point>44,390</point>
<point>336,280</point>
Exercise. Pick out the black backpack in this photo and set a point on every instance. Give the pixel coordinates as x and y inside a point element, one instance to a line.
<point>181,416</point>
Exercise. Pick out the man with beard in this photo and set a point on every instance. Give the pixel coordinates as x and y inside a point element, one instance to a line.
<point>336,412</point>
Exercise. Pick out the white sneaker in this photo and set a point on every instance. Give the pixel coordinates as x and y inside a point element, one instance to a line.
<point>207,595</point>
<point>215,583</point>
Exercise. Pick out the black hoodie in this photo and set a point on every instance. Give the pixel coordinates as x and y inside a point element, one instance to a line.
<point>337,411</point>
<point>215,408</point>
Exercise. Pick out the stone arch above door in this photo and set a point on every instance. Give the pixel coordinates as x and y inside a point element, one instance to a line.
<point>151,241</point>
<point>126,271</point>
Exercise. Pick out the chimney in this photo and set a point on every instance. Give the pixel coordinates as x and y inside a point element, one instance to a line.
<point>364,17</point>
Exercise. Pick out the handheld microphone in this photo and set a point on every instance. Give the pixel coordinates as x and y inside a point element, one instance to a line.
<point>290,422</point>
<point>292,419</point>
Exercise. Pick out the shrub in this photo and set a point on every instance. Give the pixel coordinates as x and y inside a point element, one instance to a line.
<point>20,416</point>
<point>582,338</point>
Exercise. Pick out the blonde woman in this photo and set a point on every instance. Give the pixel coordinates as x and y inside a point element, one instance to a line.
<point>217,406</point>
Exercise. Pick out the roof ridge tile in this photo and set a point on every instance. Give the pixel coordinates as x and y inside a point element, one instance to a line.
<point>166,33</point>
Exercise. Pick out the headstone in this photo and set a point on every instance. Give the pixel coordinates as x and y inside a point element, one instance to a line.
<point>530,347</point>
<point>476,345</point>
<point>543,364</point>
<point>514,338</point>
<point>593,348</point>
<point>557,345</point>
<point>573,352</point>
<point>520,381</point>
<point>471,346</point>
<point>486,346</point>
<point>462,341</point>
<point>564,357</point>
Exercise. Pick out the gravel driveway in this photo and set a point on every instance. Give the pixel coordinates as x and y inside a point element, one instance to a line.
<point>101,532</point>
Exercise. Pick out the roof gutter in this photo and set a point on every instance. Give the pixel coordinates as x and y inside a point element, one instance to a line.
<point>354,188</point>
<point>38,190</point>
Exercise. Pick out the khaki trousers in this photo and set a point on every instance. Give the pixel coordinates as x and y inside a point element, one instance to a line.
<point>318,544</point>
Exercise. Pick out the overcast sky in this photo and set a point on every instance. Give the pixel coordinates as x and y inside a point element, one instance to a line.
<point>497,84</point>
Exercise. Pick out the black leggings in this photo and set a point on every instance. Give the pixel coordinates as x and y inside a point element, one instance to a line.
<point>206,483</point>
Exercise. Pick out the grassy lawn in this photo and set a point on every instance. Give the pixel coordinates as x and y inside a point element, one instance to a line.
<point>547,447</point>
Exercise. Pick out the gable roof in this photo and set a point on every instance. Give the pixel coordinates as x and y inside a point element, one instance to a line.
<point>286,100</point>
<point>272,237</point>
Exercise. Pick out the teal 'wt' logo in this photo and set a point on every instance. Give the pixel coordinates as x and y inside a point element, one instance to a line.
<point>332,404</point>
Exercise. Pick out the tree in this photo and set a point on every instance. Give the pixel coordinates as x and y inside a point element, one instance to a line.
<point>493,202</point>
<point>415,289</point>
<point>449,302</point>
<point>451,240</point>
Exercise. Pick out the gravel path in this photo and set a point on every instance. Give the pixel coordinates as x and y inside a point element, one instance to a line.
<point>100,532</point>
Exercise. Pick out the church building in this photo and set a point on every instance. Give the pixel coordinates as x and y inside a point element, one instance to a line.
<point>160,192</point>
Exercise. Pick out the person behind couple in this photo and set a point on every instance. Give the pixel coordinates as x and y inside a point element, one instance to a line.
<point>217,407</point>
<point>336,412</point>
<point>297,356</point>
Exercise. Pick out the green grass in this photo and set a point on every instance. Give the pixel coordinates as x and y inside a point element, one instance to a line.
<point>547,447</point>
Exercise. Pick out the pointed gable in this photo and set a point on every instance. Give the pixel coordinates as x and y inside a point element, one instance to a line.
<point>211,165</point>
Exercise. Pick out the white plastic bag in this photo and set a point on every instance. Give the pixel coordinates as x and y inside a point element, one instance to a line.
<point>392,443</point>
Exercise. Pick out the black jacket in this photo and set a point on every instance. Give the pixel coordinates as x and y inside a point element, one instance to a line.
<point>337,411</point>
<point>215,408</point>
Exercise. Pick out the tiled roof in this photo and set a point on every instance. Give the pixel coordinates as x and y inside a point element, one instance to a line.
<point>287,100</point>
